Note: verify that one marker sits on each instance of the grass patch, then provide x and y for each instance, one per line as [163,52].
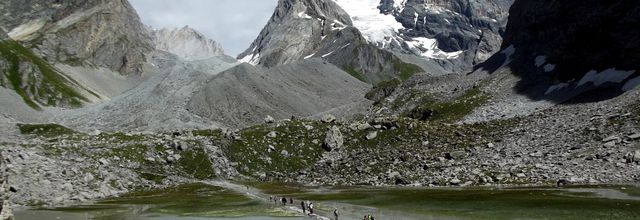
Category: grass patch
[356,74]
[45,130]
[254,153]
[383,90]
[53,89]
[406,70]
[450,111]
[196,163]
[156,178]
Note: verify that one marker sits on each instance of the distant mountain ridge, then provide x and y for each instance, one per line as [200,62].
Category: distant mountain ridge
[187,43]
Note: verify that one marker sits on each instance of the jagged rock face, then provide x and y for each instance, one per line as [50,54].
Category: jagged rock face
[295,28]
[187,43]
[575,45]
[462,31]
[302,29]
[104,33]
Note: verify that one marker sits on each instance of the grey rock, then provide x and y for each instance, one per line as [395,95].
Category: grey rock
[615,139]
[636,156]
[272,134]
[328,118]
[634,136]
[333,139]
[372,135]
[609,144]
[359,126]
[103,161]
[271,148]
[88,177]
[269,119]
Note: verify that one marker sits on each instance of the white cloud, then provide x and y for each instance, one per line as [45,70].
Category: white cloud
[233,23]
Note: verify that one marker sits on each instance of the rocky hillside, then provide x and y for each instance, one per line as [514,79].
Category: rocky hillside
[187,43]
[103,33]
[93,34]
[36,81]
[246,94]
[304,29]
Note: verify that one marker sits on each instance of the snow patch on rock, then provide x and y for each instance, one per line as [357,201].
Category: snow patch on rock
[540,60]
[376,27]
[549,67]
[631,84]
[556,87]
[428,47]
[609,75]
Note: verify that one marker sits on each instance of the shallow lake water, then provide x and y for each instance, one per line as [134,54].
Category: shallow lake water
[202,201]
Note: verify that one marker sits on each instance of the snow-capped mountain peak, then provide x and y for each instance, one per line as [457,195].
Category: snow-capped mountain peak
[384,30]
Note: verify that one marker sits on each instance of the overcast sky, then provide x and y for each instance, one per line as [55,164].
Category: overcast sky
[233,23]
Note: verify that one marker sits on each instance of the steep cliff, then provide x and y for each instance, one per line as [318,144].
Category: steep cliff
[103,33]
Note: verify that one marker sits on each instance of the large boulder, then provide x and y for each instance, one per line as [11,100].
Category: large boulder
[333,140]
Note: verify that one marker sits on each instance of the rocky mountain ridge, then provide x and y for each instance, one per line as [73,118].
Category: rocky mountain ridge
[187,43]
[305,29]
[104,33]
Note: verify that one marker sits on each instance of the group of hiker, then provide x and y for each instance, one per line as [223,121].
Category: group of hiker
[307,207]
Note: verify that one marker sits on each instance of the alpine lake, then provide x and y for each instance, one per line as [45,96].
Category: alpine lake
[251,201]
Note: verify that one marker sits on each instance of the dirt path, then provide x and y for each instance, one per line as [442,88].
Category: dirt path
[324,210]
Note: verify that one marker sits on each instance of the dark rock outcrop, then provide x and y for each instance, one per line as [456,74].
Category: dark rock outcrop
[562,49]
